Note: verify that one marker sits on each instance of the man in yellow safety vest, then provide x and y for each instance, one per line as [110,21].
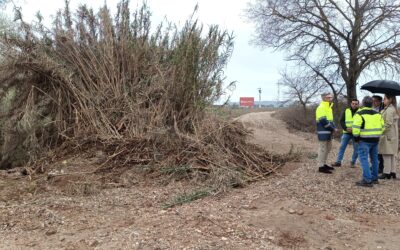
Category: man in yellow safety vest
[346,121]
[325,128]
[368,126]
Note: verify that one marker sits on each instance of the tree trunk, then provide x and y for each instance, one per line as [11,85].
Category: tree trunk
[351,91]
[304,110]
[335,108]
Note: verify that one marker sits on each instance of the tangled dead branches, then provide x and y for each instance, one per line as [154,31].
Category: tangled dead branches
[144,95]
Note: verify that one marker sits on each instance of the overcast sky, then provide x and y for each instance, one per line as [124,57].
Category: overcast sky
[250,67]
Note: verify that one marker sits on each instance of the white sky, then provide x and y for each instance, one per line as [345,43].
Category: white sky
[250,67]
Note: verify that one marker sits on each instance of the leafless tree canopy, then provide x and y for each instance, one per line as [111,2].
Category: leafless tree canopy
[332,37]
[301,89]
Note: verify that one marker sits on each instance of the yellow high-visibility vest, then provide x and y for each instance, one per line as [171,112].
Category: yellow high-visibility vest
[367,124]
[324,110]
[348,119]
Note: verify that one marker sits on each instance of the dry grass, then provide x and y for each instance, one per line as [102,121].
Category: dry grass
[304,122]
[297,119]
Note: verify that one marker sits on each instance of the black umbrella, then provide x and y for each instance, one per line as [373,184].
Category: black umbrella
[382,86]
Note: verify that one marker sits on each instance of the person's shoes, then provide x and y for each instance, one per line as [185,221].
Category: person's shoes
[380,171]
[328,167]
[324,170]
[393,175]
[337,164]
[375,181]
[384,176]
[363,183]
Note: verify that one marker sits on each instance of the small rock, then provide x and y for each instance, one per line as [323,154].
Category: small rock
[291,211]
[51,232]
[224,238]
[95,243]
[271,237]
[300,212]
[379,247]
[329,217]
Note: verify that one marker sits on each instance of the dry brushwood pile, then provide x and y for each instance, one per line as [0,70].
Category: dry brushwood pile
[142,96]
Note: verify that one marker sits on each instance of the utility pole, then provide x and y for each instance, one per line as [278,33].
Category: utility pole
[259,97]
[279,88]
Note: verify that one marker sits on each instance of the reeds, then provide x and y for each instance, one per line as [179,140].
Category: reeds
[142,94]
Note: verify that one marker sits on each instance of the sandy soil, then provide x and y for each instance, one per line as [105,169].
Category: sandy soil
[297,208]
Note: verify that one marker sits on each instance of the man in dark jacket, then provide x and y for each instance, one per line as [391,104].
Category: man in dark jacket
[377,105]
[346,121]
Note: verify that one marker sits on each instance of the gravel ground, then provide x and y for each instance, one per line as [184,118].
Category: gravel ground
[298,208]
[338,192]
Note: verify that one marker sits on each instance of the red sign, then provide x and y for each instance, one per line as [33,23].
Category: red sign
[246,101]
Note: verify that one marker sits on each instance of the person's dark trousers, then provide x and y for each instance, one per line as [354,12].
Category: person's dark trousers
[380,158]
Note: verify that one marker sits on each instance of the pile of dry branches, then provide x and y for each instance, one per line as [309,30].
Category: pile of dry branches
[143,94]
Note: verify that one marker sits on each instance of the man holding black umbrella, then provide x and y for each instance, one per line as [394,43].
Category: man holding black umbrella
[377,105]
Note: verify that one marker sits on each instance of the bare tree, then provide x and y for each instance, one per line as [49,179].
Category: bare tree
[333,38]
[302,89]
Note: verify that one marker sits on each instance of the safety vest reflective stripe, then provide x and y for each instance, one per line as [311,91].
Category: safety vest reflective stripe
[324,117]
[371,130]
[370,136]
[324,132]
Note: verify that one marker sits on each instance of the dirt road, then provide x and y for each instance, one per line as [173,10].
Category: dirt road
[295,209]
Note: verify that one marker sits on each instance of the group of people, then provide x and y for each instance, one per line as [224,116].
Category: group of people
[373,130]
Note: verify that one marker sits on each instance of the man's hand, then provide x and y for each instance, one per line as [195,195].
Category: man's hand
[336,130]
[349,130]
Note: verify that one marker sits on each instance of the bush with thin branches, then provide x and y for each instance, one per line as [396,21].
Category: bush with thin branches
[93,78]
